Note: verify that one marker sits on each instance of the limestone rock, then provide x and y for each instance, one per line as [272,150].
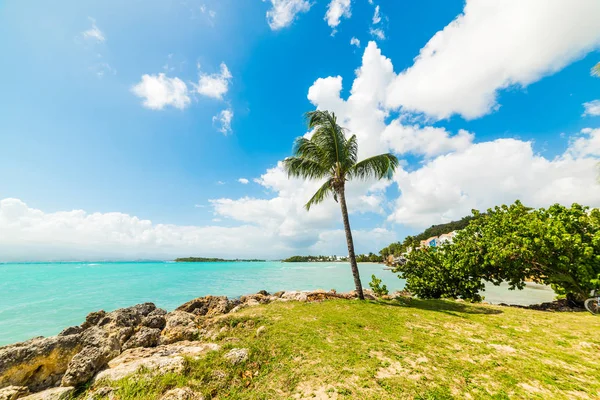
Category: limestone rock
[38,363]
[13,392]
[156,319]
[100,348]
[180,325]
[294,295]
[57,393]
[145,337]
[181,394]
[236,356]
[101,393]
[208,306]
[161,359]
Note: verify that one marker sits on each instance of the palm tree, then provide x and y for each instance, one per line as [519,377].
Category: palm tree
[329,154]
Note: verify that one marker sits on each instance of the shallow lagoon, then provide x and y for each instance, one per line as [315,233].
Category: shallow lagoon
[43,298]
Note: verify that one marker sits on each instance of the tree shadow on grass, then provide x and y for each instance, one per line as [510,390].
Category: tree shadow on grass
[444,306]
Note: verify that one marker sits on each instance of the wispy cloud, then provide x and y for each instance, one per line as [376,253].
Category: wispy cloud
[223,121]
[243,181]
[283,12]
[94,33]
[355,42]
[592,108]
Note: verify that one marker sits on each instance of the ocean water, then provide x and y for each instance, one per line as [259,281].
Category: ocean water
[40,299]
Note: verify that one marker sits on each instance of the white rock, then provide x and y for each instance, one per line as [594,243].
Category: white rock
[236,356]
[57,393]
[162,359]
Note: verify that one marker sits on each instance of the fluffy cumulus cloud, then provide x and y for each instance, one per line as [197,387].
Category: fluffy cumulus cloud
[355,42]
[336,10]
[428,141]
[223,121]
[215,85]
[160,91]
[243,181]
[591,108]
[491,46]
[283,12]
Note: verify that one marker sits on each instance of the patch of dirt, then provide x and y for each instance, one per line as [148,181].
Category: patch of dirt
[503,348]
[309,391]
[534,387]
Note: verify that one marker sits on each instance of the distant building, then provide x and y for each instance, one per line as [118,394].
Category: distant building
[446,237]
[436,241]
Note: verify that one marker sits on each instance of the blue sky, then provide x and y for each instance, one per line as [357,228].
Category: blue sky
[78,135]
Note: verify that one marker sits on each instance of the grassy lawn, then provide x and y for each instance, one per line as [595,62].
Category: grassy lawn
[393,350]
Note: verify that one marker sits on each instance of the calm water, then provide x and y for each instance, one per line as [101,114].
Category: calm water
[42,299]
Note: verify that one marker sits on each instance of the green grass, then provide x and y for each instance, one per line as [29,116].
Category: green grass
[410,349]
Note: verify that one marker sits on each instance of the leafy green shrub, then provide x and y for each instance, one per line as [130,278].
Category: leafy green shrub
[376,286]
[558,246]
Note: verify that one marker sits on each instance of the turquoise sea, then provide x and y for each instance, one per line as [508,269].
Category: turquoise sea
[40,299]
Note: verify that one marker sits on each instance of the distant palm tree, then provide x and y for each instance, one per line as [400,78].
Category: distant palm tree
[329,154]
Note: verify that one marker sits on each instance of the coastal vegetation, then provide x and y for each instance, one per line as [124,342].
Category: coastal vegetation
[208,259]
[330,155]
[371,257]
[558,246]
[315,259]
[400,349]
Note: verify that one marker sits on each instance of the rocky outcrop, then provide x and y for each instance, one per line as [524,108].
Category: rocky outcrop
[209,306]
[111,345]
[38,363]
[161,359]
[180,325]
[75,355]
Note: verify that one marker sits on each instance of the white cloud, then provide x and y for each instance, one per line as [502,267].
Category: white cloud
[283,12]
[243,181]
[592,108]
[491,46]
[220,183]
[378,33]
[215,85]
[159,91]
[428,141]
[492,173]
[587,143]
[223,120]
[355,42]
[94,33]
[205,10]
[29,234]
[336,10]
[376,16]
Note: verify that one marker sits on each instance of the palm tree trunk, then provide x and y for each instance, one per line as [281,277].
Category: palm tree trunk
[351,255]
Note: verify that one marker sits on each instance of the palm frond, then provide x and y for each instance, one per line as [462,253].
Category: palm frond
[300,167]
[350,152]
[596,70]
[305,148]
[328,135]
[379,167]
[324,191]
